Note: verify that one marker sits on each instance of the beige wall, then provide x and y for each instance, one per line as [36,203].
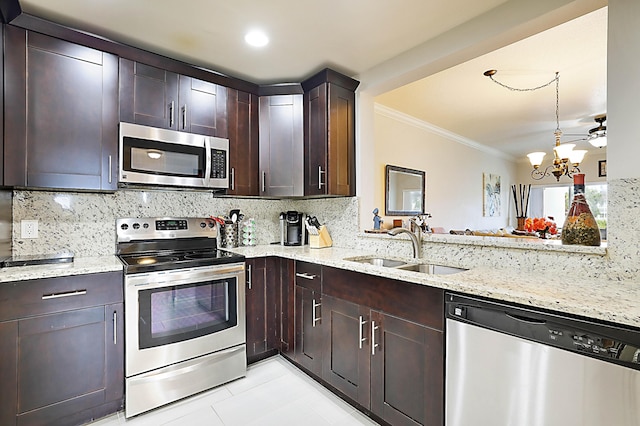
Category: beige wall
[510,22]
[454,174]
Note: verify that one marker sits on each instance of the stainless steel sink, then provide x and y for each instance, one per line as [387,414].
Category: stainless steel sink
[426,268]
[378,261]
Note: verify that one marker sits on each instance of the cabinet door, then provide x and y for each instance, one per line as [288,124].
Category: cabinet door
[309,329]
[315,140]
[202,107]
[345,361]
[8,372]
[256,307]
[69,365]
[281,145]
[329,140]
[148,95]
[341,148]
[62,123]
[406,372]
[244,160]
[263,308]
[287,307]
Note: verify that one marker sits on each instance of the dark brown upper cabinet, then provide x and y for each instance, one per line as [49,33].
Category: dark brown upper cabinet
[244,144]
[281,145]
[159,98]
[329,134]
[61,127]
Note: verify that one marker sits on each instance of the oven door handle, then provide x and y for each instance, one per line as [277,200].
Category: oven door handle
[179,276]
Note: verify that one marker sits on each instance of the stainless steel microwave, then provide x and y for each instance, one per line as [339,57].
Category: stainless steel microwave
[153,156]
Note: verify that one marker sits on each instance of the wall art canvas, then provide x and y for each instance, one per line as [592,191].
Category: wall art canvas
[491,201]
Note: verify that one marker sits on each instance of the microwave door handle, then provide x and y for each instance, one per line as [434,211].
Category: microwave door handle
[207,159]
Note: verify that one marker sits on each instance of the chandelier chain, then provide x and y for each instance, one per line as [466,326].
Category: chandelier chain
[525,89]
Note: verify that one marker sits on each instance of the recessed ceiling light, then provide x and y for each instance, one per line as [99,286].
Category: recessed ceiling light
[256,38]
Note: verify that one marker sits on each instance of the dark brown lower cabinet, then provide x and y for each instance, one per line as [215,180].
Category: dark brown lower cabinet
[66,367]
[262,305]
[406,371]
[346,358]
[383,346]
[308,316]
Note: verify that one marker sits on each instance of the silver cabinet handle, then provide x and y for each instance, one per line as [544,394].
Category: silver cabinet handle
[115,328]
[249,276]
[184,116]
[305,275]
[64,294]
[361,338]
[171,107]
[110,171]
[264,178]
[320,173]
[315,319]
[374,345]
[233,178]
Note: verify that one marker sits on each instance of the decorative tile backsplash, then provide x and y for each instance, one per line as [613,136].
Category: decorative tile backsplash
[85,224]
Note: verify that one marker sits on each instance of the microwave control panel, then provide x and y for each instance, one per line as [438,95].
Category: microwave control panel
[218,163]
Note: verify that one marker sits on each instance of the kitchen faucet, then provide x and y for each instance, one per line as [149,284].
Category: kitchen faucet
[416,239]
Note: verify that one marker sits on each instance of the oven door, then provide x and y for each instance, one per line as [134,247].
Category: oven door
[172,316]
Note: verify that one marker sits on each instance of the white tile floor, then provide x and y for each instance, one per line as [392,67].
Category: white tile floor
[274,392]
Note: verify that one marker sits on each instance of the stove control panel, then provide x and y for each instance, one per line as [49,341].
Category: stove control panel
[171,224]
[158,228]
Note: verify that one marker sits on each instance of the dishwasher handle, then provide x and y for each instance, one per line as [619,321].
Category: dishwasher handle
[523,318]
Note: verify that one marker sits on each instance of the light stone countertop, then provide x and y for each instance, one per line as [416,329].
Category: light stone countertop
[79,266]
[613,301]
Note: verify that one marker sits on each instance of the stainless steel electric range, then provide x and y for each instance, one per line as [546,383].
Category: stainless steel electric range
[184,310]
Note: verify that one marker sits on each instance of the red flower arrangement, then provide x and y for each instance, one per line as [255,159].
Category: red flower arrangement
[541,225]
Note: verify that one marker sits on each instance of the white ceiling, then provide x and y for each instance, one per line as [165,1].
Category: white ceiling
[353,37]
[465,102]
[305,36]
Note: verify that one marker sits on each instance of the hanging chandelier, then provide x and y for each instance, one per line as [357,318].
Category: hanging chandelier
[565,159]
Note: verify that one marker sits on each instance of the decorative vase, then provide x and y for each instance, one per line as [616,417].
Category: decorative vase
[542,234]
[521,223]
[580,227]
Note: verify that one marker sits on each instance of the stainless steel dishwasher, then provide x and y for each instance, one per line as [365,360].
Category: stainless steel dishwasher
[508,366]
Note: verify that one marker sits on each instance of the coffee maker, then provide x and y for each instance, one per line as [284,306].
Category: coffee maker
[292,229]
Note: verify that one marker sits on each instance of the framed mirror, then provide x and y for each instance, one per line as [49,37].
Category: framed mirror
[404,191]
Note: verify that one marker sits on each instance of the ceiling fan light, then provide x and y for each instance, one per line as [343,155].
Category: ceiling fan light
[576,156]
[598,141]
[563,150]
[536,158]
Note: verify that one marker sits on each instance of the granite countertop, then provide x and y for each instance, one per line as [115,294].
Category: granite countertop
[79,266]
[613,301]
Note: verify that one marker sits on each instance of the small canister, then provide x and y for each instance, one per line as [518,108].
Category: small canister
[249,232]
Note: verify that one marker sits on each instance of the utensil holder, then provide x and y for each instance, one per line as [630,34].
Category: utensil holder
[229,235]
[322,240]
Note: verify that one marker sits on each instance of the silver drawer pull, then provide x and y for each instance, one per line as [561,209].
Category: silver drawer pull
[361,337]
[314,319]
[65,294]
[374,345]
[305,275]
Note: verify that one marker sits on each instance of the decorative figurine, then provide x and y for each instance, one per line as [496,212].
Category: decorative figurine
[377,220]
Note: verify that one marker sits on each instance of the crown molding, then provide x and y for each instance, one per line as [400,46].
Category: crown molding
[454,137]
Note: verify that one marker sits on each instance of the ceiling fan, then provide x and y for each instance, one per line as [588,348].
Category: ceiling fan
[598,135]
